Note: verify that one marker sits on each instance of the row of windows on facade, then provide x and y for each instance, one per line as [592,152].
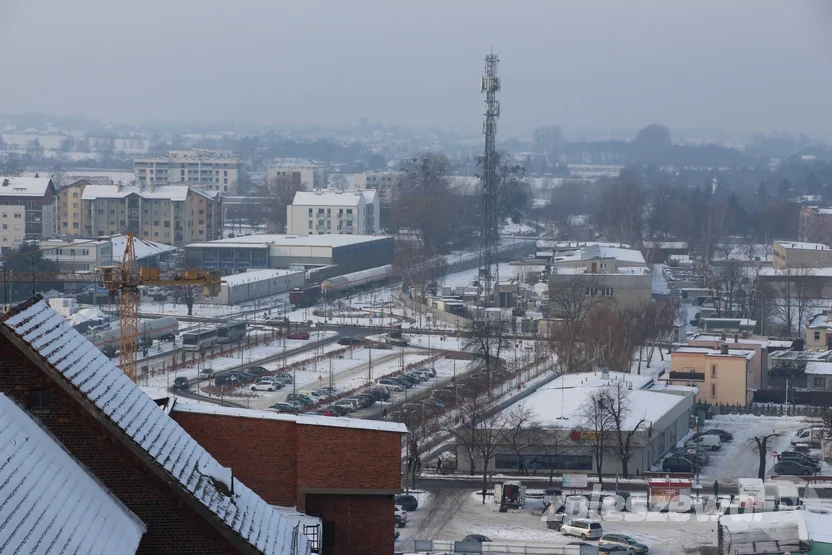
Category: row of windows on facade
[341,225]
[600,292]
[329,212]
[543,462]
[30,204]
[190,180]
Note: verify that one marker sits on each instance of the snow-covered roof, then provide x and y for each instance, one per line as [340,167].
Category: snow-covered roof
[802,245]
[599,251]
[48,501]
[620,271]
[769,532]
[825,271]
[304,419]
[649,404]
[162,192]
[257,275]
[143,247]
[369,196]
[289,241]
[327,198]
[24,186]
[819,368]
[741,353]
[801,356]
[189,468]
[820,321]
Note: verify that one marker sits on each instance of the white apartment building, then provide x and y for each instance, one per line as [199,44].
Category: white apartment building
[304,173]
[333,212]
[78,255]
[27,210]
[382,182]
[210,170]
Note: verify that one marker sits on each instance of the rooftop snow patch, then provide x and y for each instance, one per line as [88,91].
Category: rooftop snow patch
[143,248]
[24,186]
[48,501]
[257,275]
[309,420]
[107,391]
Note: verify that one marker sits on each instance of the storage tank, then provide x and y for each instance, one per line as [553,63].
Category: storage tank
[357,279]
[108,340]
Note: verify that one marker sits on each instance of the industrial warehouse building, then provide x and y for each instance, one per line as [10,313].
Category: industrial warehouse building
[350,253]
[666,412]
[256,284]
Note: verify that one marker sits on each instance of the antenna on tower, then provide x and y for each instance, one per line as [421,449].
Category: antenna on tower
[489,277]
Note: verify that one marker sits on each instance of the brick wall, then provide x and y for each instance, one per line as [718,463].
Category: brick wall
[260,452]
[172,526]
[364,525]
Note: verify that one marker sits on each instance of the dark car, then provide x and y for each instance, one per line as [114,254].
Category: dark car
[802,459]
[385,394]
[409,379]
[289,408]
[407,502]
[180,383]
[678,464]
[256,370]
[368,398]
[799,456]
[374,393]
[723,435]
[625,543]
[301,399]
[339,411]
[792,467]
[349,341]
[479,538]
[303,335]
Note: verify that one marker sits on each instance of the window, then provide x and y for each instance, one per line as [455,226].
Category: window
[74,225]
[713,370]
[201,212]
[225,181]
[603,265]
[713,390]
[819,383]
[817,336]
[310,224]
[39,399]
[66,224]
[75,205]
[74,195]
[310,213]
[100,212]
[166,222]
[156,222]
[544,462]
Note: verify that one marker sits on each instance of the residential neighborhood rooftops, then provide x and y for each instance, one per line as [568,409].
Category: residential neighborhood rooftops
[49,501]
[820,321]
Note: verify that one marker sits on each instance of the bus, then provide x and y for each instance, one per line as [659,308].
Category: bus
[232,331]
[199,340]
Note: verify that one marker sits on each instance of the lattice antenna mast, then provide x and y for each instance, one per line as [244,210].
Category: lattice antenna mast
[489,276]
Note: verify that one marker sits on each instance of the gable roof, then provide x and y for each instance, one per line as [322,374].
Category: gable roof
[48,501]
[25,186]
[135,419]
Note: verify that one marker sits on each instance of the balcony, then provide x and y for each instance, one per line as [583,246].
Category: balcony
[687,376]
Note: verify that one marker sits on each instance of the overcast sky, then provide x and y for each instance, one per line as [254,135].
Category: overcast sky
[755,65]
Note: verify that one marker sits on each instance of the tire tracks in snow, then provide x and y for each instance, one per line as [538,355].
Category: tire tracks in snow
[444,504]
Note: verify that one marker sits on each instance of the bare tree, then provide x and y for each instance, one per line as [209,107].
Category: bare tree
[624,429]
[759,444]
[489,440]
[522,433]
[486,340]
[339,181]
[595,426]
[279,193]
[571,301]
[549,441]
[730,276]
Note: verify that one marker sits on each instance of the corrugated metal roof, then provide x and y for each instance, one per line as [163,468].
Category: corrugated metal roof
[48,501]
[103,384]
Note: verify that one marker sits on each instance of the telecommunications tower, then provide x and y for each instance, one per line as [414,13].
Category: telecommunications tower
[489,270]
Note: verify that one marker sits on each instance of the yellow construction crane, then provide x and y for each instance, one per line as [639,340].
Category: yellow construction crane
[124,280]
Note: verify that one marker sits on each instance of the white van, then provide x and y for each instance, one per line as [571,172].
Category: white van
[712,443]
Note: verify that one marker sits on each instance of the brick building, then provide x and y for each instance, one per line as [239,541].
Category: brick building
[184,498]
[344,470]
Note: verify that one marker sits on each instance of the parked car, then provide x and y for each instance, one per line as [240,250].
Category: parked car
[679,464]
[478,538]
[418,376]
[723,435]
[626,542]
[374,393]
[802,448]
[339,410]
[362,401]
[220,381]
[584,529]
[265,385]
[181,382]
[349,341]
[401,517]
[385,393]
[798,455]
[256,370]
[802,459]
[317,396]
[302,335]
[301,399]
[368,399]
[412,380]
[289,408]
[792,467]
[430,371]
[330,391]
[712,443]
[325,412]
[206,372]
[285,376]
[348,404]
[390,385]
[696,454]
[407,502]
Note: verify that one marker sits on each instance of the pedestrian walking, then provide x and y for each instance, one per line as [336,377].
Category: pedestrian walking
[439,466]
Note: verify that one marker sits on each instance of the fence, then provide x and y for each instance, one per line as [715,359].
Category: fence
[460,547]
[796,397]
[765,409]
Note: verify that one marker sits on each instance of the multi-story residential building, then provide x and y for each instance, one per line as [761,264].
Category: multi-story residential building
[210,170]
[206,208]
[792,254]
[73,255]
[819,332]
[304,173]
[384,183]
[815,224]
[27,210]
[615,274]
[333,212]
[70,216]
[723,375]
[162,214]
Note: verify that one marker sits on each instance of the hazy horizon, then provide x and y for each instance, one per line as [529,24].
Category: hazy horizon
[740,67]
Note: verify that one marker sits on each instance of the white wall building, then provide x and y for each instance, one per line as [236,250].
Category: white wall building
[310,176]
[211,170]
[333,212]
[83,255]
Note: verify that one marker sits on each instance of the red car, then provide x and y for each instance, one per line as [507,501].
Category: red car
[325,412]
[298,335]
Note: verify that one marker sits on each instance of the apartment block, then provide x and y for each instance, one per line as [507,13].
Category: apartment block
[163,214]
[723,375]
[384,183]
[73,255]
[310,177]
[70,215]
[206,208]
[333,212]
[27,210]
[209,170]
[793,254]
